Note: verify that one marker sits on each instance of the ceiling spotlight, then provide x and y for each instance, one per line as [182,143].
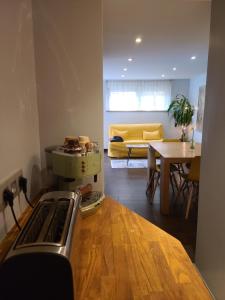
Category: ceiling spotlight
[125,69]
[193,57]
[130,59]
[138,40]
[163,75]
[122,76]
[174,68]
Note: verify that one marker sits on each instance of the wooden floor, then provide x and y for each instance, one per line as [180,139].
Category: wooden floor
[128,186]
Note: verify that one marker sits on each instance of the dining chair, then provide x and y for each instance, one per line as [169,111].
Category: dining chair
[154,175]
[191,182]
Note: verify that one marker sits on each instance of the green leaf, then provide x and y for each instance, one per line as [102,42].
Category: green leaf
[181,110]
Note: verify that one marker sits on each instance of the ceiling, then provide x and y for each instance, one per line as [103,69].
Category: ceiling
[172,31]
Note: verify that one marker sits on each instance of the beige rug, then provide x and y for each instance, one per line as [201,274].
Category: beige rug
[133,163]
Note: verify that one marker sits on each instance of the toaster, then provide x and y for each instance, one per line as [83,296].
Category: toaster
[37,265]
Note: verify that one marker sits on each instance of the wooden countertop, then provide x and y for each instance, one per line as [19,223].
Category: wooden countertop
[118,255]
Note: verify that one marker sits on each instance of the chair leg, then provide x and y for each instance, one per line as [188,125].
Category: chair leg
[182,184]
[184,188]
[175,181]
[196,186]
[180,170]
[151,180]
[189,201]
[155,186]
[171,182]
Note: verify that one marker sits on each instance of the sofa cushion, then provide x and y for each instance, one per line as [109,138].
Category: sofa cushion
[122,133]
[151,135]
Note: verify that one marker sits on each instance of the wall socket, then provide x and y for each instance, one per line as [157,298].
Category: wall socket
[12,183]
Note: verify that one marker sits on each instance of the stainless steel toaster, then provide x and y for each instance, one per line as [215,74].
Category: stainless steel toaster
[37,265]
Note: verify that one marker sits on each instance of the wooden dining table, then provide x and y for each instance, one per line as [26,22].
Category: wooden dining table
[171,152]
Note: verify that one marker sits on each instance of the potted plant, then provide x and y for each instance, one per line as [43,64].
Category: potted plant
[182,111]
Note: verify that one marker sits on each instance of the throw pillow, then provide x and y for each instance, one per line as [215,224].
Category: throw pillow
[151,135]
[122,133]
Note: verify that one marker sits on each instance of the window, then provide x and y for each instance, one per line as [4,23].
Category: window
[123,101]
[138,95]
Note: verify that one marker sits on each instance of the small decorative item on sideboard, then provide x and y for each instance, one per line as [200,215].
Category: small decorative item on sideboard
[192,139]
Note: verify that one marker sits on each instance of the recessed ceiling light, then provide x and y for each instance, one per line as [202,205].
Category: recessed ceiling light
[193,57]
[122,76]
[130,59]
[138,40]
[174,68]
[163,75]
[125,69]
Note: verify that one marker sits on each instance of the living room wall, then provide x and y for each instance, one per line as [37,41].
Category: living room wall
[195,83]
[179,86]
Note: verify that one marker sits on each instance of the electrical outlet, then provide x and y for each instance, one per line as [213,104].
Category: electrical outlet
[15,188]
[12,183]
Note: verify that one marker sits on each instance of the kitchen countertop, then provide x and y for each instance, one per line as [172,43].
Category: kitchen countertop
[116,254]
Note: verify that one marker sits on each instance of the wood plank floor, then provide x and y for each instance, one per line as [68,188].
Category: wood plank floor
[128,187]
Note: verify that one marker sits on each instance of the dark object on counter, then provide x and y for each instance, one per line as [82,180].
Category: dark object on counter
[37,267]
[116,139]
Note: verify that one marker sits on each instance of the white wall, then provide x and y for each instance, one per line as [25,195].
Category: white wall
[195,83]
[180,86]
[68,53]
[19,133]
[210,249]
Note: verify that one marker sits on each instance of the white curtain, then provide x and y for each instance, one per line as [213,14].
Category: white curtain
[138,95]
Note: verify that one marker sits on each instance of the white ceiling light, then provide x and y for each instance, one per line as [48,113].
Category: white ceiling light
[125,69]
[138,40]
[122,76]
[130,59]
[193,57]
[163,75]
[174,68]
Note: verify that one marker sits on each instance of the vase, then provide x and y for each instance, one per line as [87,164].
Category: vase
[184,135]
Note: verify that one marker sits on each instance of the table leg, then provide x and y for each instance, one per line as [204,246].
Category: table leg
[129,153]
[164,186]
[150,173]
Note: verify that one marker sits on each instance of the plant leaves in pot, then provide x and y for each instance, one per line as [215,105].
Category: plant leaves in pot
[182,112]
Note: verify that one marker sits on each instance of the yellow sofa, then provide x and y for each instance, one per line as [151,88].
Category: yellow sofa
[133,134]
